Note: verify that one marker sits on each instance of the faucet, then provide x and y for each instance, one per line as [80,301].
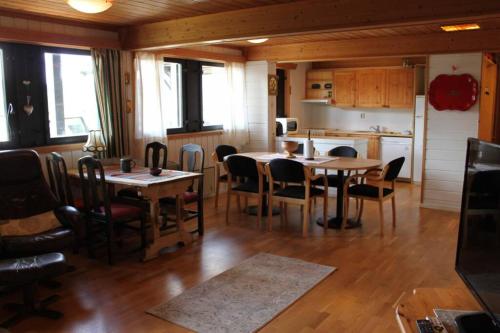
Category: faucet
[375,128]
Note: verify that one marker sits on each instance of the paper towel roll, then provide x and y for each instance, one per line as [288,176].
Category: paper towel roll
[308,149]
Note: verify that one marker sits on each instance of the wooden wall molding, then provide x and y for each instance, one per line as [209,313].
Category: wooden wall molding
[200,55]
[304,17]
[56,39]
[413,45]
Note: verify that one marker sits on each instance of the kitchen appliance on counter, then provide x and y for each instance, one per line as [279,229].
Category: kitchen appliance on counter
[289,125]
[395,147]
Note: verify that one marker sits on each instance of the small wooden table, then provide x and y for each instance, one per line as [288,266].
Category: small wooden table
[340,164]
[423,301]
[171,183]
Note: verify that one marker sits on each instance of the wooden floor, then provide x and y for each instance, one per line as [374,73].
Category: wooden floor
[373,272]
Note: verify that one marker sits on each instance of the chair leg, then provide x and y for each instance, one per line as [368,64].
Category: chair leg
[346,211]
[360,212]
[381,211]
[285,211]
[259,211]
[144,241]
[228,204]
[217,185]
[325,211]
[393,212]
[305,223]
[282,213]
[238,203]
[270,213]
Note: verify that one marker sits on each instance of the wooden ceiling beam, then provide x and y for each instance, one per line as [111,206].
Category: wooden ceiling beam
[304,17]
[408,45]
[200,55]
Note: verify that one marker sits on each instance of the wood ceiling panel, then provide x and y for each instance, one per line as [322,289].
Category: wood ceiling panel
[129,12]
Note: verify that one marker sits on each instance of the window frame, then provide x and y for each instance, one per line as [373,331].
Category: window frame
[181,129]
[4,144]
[67,139]
[212,64]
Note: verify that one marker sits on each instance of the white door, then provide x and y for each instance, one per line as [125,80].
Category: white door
[418,138]
[394,147]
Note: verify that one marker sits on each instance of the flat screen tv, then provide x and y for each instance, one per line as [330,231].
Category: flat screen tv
[478,250]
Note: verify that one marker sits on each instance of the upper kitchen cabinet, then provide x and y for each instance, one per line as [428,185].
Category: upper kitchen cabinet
[371,88]
[344,88]
[400,92]
[319,84]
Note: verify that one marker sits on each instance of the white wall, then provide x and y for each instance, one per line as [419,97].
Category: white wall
[447,133]
[261,107]
[298,89]
[325,116]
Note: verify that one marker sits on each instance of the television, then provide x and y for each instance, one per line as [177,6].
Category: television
[478,249]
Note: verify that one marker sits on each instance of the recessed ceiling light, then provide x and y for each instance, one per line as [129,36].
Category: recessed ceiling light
[90,6]
[258,41]
[460,27]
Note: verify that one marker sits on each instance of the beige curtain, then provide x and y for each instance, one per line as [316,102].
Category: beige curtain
[149,119]
[236,123]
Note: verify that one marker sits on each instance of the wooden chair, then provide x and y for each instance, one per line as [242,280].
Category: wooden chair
[59,180]
[253,186]
[375,191]
[191,159]
[296,188]
[100,212]
[218,155]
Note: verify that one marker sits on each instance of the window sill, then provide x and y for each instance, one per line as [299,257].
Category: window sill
[194,134]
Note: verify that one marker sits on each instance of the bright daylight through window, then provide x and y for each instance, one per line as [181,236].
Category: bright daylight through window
[71,95]
[171,90]
[214,90]
[4,129]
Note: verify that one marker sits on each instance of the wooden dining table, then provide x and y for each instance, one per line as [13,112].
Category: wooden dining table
[170,183]
[340,164]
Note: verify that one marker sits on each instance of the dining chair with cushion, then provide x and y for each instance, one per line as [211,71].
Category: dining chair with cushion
[296,188]
[375,190]
[252,186]
[218,155]
[191,159]
[101,213]
[155,156]
[341,151]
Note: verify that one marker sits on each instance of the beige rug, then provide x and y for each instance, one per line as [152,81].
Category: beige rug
[244,298]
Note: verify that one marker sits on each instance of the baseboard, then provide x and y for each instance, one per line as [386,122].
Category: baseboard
[440,207]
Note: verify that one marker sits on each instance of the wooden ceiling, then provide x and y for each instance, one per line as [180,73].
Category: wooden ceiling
[130,12]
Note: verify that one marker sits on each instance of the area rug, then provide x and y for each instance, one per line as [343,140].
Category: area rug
[244,298]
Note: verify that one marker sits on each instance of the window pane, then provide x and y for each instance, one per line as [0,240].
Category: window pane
[4,129]
[71,95]
[171,91]
[214,83]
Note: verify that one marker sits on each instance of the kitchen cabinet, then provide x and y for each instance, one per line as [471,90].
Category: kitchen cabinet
[371,88]
[319,84]
[344,84]
[400,88]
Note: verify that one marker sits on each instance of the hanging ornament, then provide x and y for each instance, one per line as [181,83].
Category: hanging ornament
[28,107]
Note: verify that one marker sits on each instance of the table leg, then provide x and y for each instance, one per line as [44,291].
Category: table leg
[201,224]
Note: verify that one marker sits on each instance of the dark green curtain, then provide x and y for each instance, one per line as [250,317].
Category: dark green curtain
[110,102]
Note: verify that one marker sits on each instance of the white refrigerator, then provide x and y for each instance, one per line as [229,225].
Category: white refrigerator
[418,140]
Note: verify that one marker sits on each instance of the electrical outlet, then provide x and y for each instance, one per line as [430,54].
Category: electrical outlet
[362,115]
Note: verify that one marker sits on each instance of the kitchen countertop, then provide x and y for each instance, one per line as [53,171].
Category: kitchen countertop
[326,137]
[347,134]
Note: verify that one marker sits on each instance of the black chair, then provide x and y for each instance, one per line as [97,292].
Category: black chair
[300,191]
[154,151]
[191,159]
[341,151]
[58,178]
[253,185]
[375,191]
[221,151]
[100,211]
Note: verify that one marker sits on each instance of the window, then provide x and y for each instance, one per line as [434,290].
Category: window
[194,95]
[71,96]
[171,90]
[214,92]
[4,129]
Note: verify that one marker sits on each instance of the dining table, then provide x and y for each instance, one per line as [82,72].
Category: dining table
[340,164]
[169,183]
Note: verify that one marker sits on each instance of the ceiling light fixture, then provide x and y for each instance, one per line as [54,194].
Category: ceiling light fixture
[90,6]
[258,41]
[460,27]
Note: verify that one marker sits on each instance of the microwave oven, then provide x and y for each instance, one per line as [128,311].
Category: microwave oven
[289,125]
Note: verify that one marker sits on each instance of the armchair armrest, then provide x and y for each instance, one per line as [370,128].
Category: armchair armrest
[70,218]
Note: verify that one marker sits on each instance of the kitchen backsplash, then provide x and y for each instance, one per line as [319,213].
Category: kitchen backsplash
[325,116]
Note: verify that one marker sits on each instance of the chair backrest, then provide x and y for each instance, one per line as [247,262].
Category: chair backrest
[284,170]
[224,150]
[242,166]
[24,192]
[343,151]
[157,148]
[58,178]
[94,190]
[192,159]
[393,168]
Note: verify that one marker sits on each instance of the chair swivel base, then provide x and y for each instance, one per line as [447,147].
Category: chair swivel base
[31,308]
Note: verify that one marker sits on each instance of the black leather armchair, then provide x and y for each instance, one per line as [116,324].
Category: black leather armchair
[24,192]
